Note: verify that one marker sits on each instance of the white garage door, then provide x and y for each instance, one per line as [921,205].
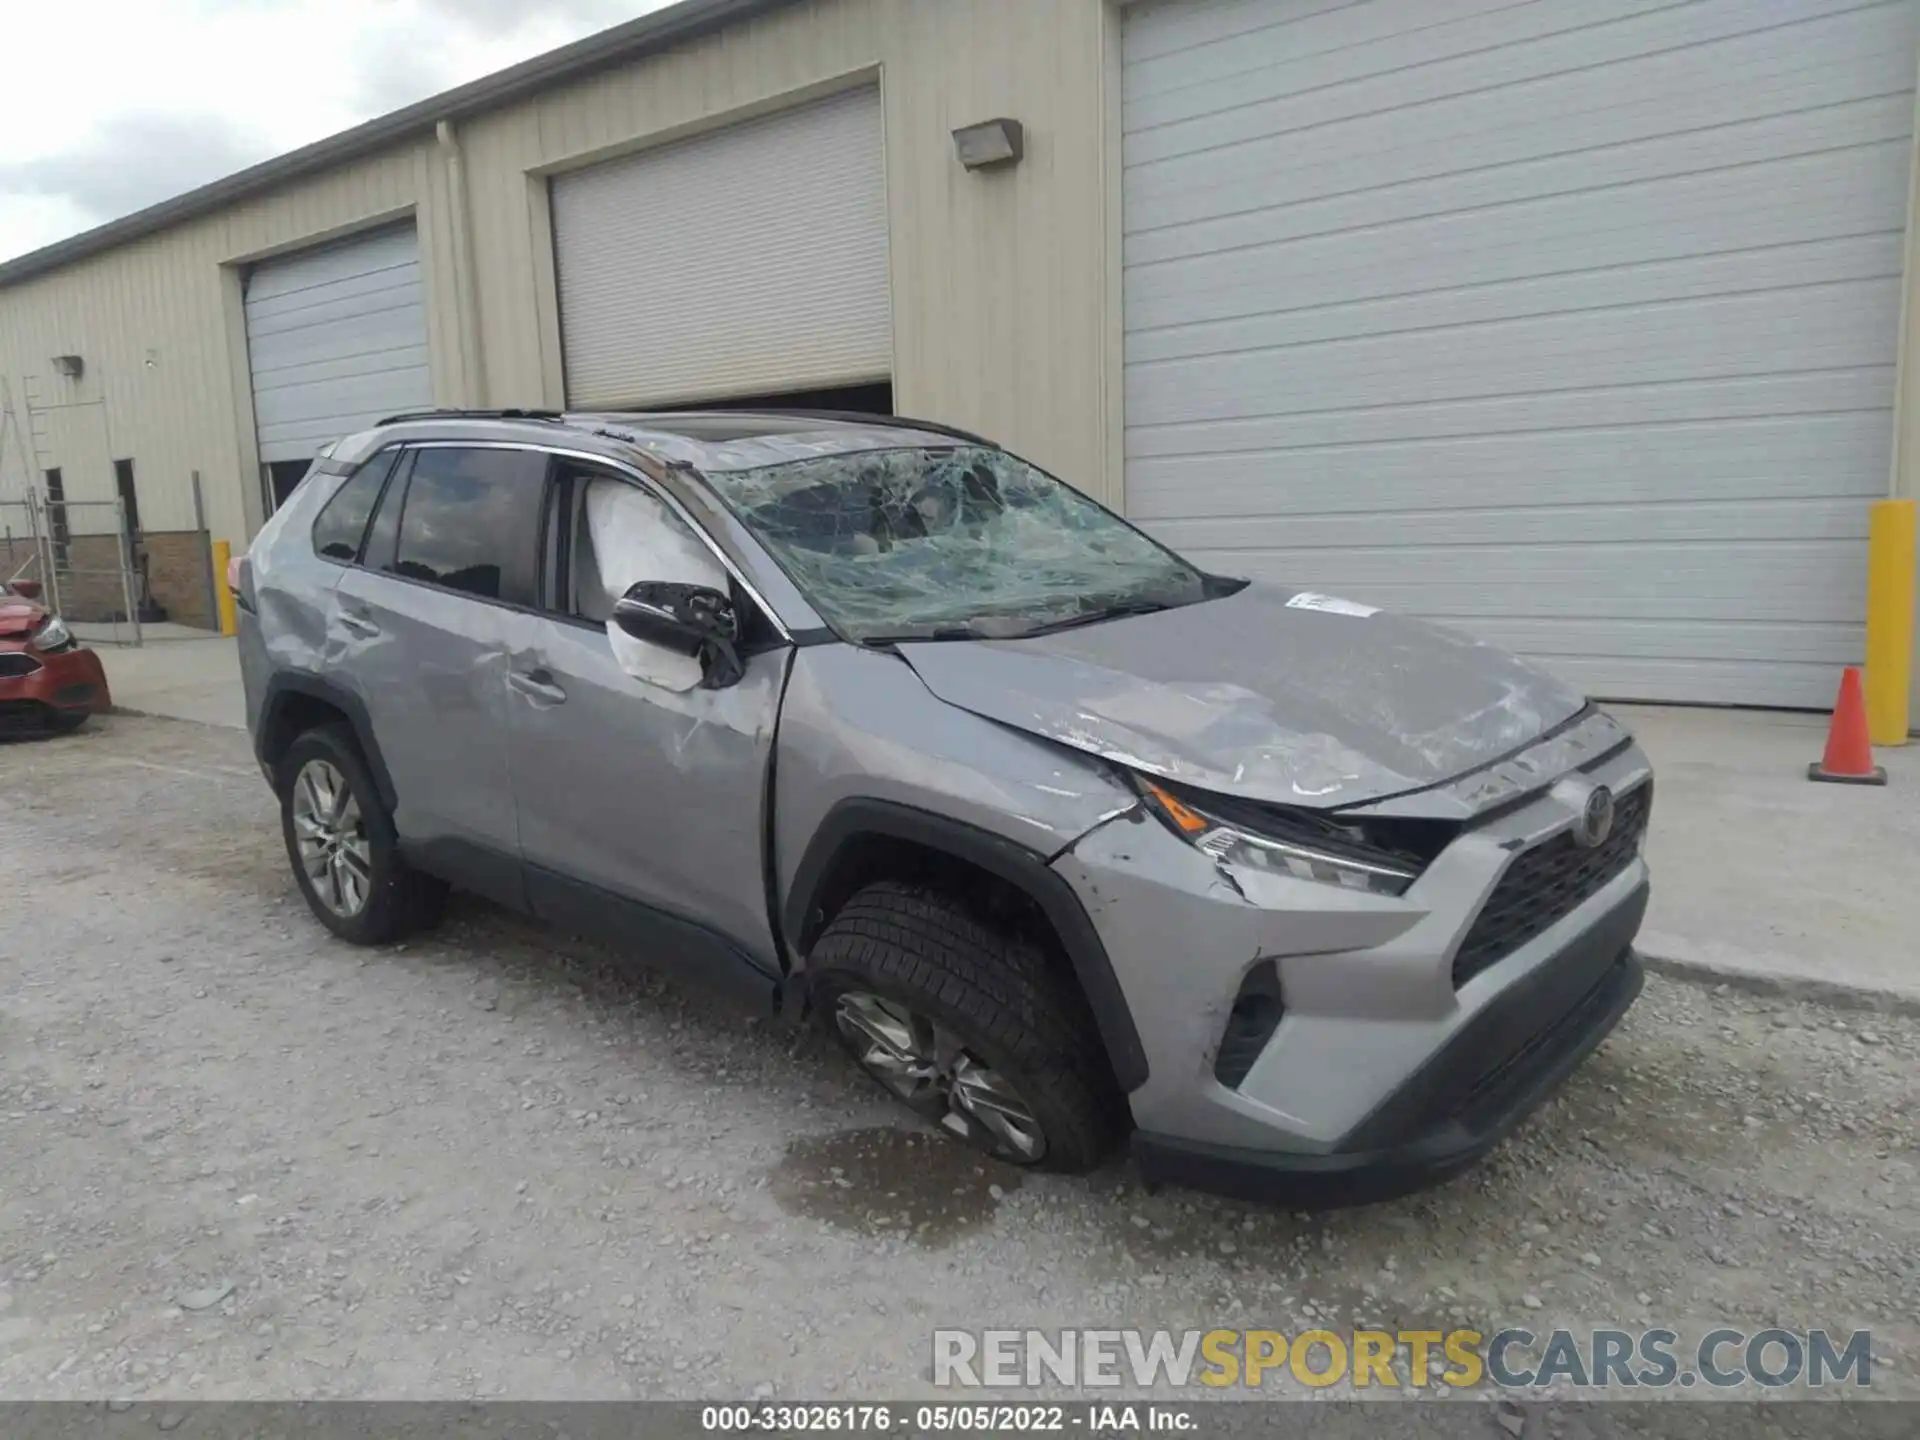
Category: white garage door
[1571,323]
[336,338]
[749,261]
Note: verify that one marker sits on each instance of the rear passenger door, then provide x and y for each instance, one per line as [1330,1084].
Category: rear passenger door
[423,629]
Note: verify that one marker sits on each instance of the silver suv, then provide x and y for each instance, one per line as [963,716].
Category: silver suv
[1061,835]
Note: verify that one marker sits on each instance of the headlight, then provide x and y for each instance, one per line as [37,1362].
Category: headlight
[53,635]
[1306,847]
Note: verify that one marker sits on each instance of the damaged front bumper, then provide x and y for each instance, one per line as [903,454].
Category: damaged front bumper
[1383,1067]
[42,687]
[1457,1105]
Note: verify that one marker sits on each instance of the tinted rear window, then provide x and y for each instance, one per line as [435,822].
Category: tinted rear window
[342,522]
[471,521]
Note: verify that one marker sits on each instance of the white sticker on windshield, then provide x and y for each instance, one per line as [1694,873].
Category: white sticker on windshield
[1331,604]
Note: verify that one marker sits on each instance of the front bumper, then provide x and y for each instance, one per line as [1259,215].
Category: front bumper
[1379,997]
[1457,1106]
[64,683]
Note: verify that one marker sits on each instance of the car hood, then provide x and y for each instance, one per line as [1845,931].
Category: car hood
[1266,694]
[20,617]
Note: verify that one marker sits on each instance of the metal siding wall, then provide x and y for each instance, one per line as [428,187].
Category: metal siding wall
[164,293]
[336,338]
[1571,323]
[745,261]
[999,281]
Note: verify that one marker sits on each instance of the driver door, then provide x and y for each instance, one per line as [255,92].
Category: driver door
[642,802]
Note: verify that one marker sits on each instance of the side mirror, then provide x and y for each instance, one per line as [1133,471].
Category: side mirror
[25,589]
[687,620]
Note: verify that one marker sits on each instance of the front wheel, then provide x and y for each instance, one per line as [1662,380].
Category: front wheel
[341,842]
[968,1026]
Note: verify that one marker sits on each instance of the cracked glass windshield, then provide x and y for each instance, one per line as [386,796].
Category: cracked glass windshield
[950,543]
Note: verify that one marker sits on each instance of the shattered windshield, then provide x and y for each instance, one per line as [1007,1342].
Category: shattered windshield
[950,542]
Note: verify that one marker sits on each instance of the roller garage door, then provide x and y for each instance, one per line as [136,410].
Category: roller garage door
[1570,322]
[336,338]
[749,261]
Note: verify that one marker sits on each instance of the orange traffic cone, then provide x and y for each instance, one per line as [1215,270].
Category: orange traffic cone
[1849,757]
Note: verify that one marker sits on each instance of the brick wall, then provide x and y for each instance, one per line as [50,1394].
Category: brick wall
[176,575]
[177,563]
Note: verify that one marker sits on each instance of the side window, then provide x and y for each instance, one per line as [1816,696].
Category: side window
[384,533]
[471,521]
[342,522]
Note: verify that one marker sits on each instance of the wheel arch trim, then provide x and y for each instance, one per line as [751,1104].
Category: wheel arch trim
[855,820]
[286,685]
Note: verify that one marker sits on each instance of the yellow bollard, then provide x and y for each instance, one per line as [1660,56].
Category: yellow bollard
[223,592]
[1890,581]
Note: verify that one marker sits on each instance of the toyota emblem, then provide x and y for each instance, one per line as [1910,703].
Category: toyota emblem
[1596,819]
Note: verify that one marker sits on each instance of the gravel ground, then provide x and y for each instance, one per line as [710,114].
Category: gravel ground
[241,1159]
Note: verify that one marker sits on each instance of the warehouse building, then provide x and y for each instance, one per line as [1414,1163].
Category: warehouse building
[1576,323]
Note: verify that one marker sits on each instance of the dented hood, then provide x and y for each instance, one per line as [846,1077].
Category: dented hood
[1267,694]
[20,616]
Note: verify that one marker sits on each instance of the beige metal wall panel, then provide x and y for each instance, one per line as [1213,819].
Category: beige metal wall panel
[1000,281]
[751,260]
[1571,324]
[150,321]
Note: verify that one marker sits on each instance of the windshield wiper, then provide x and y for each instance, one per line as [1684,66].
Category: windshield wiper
[932,632]
[1008,627]
[1094,616]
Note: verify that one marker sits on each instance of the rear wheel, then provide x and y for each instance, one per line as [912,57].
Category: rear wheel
[970,1027]
[340,840]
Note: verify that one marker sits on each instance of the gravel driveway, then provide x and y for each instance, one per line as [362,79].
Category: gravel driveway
[243,1159]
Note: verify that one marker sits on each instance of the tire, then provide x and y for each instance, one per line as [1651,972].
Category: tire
[995,996]
[65,722]
[396,899]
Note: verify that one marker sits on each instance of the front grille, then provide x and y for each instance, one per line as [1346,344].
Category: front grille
[16,663]
[1546,883]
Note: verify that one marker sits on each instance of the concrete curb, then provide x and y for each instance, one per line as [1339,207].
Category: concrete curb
[118,709]
[1835,993]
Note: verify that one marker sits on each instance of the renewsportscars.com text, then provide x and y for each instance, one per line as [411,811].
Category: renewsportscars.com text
[1509,1359]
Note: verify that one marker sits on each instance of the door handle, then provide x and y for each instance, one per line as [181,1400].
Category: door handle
[537,685]
[358,624]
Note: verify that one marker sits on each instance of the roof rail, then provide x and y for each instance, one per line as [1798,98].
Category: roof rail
[852,417]
[456,413]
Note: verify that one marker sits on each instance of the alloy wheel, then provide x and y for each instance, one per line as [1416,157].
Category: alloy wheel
[930,1068]
[332,838]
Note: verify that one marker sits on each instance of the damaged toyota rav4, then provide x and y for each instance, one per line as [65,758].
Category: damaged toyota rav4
[1063,837]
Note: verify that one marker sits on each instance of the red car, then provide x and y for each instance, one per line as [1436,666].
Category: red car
[49,681]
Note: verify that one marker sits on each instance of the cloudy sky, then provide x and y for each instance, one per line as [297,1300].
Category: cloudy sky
[109,105]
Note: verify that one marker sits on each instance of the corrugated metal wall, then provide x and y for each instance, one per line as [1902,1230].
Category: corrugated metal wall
[1572,324]
[746,261]
[336,338]
[1001,313]
[164,349]
[1005,289]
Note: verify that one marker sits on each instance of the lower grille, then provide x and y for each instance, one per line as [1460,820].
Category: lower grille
[16,663]
[1256,1014]
[22,717]
[1548,882]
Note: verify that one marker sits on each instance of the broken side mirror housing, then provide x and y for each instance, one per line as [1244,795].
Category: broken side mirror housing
[693,620]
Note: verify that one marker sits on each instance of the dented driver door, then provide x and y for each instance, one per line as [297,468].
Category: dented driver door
[641,806]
